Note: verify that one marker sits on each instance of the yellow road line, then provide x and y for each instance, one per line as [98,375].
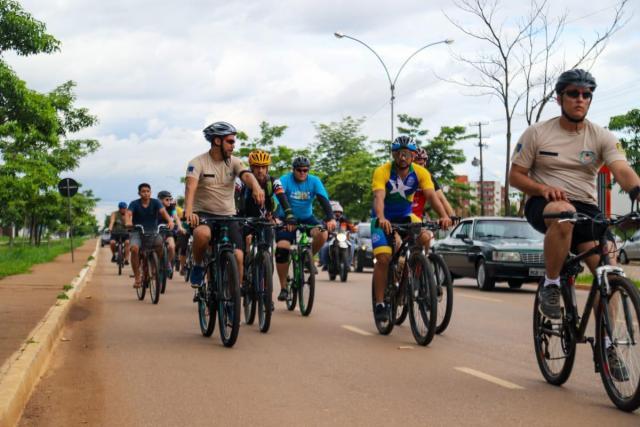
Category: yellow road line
[479,298]
[490,378]
[357,330]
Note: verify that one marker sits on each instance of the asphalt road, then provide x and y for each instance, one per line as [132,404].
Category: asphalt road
[129,363]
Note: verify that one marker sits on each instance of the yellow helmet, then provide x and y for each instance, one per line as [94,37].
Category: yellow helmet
[259,158]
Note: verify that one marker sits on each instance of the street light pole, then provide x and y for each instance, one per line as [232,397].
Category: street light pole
[392,83]
[481,145]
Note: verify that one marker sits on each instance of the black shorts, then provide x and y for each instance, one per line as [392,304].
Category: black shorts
[235,230]
[582,232]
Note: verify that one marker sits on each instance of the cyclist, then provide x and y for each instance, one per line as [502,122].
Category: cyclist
[182,240]
[210,192]
[343,223]
[555,163]
[421,158]
[145,212]
[170,206]
[394,186]
[117,229]
[301,189]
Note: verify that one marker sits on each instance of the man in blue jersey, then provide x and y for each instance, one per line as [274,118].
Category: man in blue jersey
[301,190]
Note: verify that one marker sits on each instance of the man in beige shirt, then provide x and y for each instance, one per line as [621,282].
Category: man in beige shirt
[210,192]
[556,163]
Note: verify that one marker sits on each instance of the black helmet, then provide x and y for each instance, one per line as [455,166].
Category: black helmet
[301,161]
[218,129]
[577,77]
[404,141]
[163,194]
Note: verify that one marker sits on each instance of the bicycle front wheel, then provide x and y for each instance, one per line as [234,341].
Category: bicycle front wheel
[554,342]
[307,289]
[444,291]
[228,299]
[618,347]
[292,289]
[264,286]
[144,272]
[423,303]
[384,328]
[155,277]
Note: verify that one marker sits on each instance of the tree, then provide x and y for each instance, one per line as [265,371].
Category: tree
[629,125]
[351,186]
[443,155]
[335,142]
[518,66]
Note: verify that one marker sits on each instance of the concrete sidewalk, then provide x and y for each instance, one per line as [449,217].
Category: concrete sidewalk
[26,298]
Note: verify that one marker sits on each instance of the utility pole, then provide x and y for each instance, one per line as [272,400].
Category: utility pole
[481,146]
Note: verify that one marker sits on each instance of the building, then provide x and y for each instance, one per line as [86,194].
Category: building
[491,196]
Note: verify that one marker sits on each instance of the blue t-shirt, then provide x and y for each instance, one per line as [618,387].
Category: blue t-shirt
[146,217]
[301,194]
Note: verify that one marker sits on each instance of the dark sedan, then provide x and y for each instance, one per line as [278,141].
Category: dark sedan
[363,256]
[494,249]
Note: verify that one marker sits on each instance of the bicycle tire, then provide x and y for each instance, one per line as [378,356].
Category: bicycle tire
[307,290]
[384,328]
[155,281]
[120,259]
[624,394]
[228,299]
[543,330]
[164,261]
[264,286]
[249,302]
[292,290]
[142,290]
[444,291]
[402,311]
[422,301]
[206,307]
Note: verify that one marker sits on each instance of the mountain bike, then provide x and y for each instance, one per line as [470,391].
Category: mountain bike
[258,274]
[149,265]
[166,271]
[301,278]
[120,239]
[220,291]
[410,286]
[616,304]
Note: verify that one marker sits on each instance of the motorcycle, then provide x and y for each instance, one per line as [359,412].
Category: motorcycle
[339,251]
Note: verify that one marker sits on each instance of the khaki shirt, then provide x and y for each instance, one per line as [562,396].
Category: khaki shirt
[567,159]
[215,190]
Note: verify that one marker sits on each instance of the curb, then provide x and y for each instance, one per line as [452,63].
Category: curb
[23,369]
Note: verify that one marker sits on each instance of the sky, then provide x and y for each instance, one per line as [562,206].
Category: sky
[155,73]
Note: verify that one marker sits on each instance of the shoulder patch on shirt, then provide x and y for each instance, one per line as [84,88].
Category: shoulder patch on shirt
[190,168]
[518,147]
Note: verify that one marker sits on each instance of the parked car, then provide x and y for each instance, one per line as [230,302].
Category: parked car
[105,237]
[494,249]
[630,249]
[363,256]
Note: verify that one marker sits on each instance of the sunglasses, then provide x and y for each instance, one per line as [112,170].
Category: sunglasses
[302,170]
[405,155]
[574,94]
[231,141]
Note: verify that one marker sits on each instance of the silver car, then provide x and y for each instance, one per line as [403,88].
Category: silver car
[630,249]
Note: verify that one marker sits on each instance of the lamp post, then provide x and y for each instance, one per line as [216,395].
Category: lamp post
[392,83]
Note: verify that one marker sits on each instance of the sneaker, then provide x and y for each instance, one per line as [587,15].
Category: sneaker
[617,367]
[282,296]
[325,268]
[197,276]
[113,258]
[550,301]
[380,313]
[126,262]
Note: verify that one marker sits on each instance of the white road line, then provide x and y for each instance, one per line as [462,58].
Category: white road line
[490,378]
[357,330]
[479,298]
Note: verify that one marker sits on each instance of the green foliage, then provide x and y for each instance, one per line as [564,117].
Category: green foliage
[21,258]
[442,154]
[21,33]
[351,186]
[629,125]
[335,142]
[412,128]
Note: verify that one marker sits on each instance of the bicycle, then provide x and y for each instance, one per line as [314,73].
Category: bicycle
[220,291]
[120,239]
[410,285]
[301,278]
[166,269]
[614,299]
[444,286]
[149,266]
[258,274]
[188,265]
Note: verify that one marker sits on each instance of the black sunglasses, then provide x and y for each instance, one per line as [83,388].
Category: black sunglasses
[302,170]
[576,93]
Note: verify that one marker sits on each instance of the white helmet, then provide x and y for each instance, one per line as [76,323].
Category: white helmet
[336,206]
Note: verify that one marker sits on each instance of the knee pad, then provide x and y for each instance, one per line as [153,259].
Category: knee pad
[282,255]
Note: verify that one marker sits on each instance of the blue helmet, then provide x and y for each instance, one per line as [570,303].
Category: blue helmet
[404,141]
[122,205]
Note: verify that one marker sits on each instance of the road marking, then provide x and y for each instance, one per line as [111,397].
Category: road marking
[357,330]
[479,298]
[490,378]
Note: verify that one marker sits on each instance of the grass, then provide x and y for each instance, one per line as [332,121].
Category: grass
[62,295]
[21,258]
[67,287]
[587,279]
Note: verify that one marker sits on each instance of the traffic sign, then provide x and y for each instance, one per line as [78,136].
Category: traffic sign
[68,187]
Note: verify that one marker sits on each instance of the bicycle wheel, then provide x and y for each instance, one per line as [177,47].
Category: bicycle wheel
[162,271]
[144,272]
[120,259]
[264,285]
[444,291]
[307,289]
[554,342]
[155,280]
[228,299]
[402,310]
[423,302]
[618,322]
[187,265]
[249,302]
[206,308]
[292,289]
[384,328]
